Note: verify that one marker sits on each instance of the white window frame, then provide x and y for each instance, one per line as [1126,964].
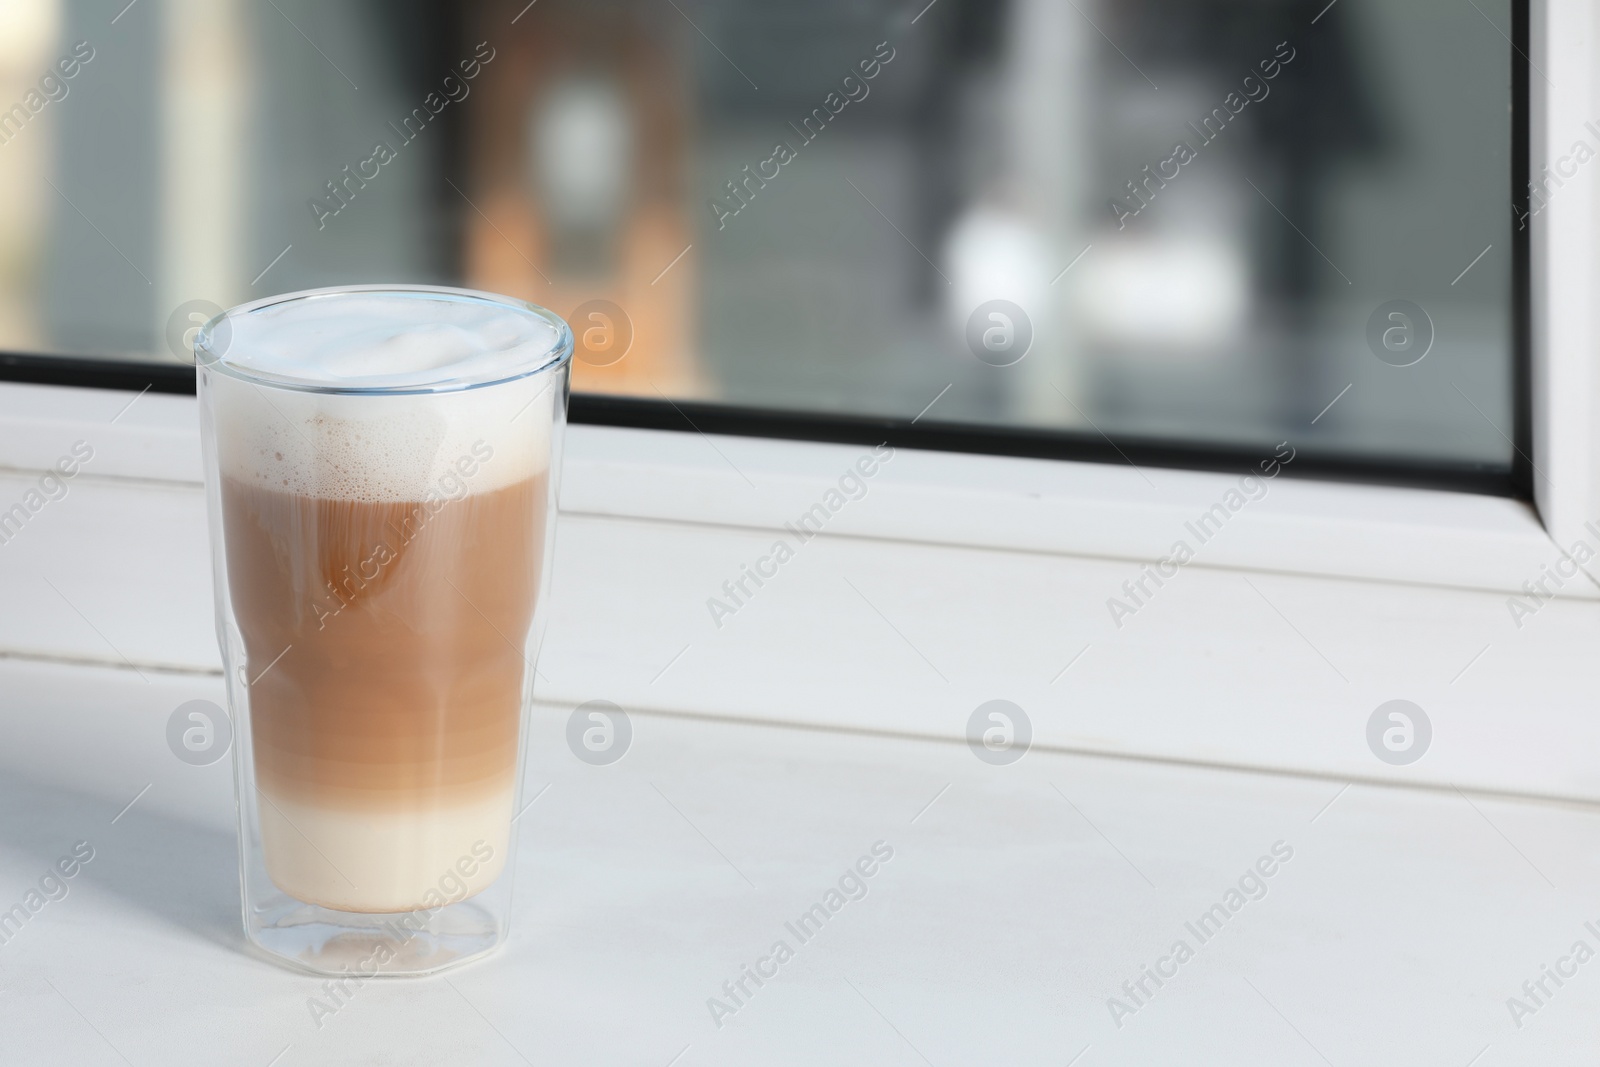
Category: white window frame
[1563,268]
[1000,567]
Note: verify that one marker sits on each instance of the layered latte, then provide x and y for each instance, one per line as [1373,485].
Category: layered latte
[383,556]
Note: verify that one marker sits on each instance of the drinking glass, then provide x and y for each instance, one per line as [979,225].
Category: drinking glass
[381,473]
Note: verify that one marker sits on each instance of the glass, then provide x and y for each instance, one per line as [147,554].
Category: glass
[836,240]
[381,467]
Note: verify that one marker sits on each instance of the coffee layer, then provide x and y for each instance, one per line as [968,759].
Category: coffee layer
[384,642]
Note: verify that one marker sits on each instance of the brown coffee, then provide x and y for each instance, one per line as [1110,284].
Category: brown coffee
[385,649]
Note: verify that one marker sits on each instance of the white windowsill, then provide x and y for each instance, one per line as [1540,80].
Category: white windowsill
[643,886]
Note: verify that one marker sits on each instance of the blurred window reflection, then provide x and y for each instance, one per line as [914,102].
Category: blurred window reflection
[1173,220]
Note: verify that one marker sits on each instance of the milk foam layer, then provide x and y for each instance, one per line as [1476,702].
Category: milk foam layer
[378,443]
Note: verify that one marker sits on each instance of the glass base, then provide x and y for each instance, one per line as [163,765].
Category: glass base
[361,946]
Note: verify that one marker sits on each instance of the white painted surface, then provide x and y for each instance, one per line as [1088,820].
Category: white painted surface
[1277,671]
[1564,265]
[149,436]
[1285,525]
[1015,905]
[1280,524]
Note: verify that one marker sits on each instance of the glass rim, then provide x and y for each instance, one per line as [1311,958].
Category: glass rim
[208,358]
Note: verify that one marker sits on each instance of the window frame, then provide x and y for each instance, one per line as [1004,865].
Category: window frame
[1563,274]
[978,558]
[1092,446]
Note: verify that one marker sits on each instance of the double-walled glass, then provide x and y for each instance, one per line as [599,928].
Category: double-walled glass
[381,480]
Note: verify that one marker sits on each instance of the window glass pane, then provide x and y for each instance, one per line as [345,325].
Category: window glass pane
[1201,221]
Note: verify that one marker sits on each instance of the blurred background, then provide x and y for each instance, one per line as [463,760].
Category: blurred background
[801,204]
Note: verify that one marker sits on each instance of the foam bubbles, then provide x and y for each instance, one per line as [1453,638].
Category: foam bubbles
[401,339]
[382,439]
